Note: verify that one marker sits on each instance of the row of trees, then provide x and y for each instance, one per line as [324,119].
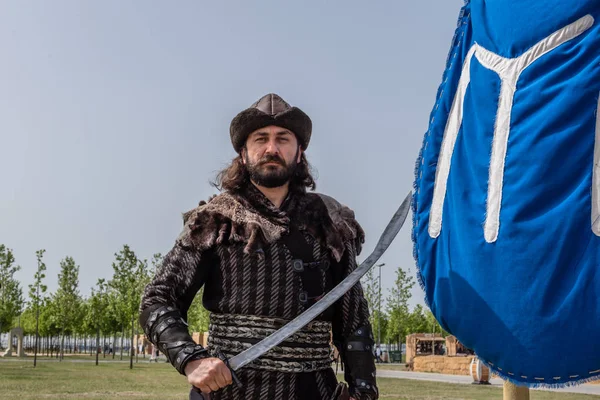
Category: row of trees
[110,310]
[112,307]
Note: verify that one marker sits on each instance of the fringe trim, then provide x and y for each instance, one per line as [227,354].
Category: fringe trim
[512,378]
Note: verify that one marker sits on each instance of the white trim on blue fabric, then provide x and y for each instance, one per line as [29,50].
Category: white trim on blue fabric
[509,71]
[444,159]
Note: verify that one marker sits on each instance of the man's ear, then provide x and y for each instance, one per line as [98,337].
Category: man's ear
[299,155]
[243,155]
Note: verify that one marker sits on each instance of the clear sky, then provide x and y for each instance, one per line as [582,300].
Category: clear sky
[114,115]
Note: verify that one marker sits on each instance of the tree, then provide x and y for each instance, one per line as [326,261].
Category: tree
[142,278]
[401,291]
[129,279]
[384,320]
[77,328]
[417,321]
[103,306]
[370,286]
[399,326]
[88,325]
[434,325]
[374,296]
[11,293]
[36,295]
[397,306]
[67,298]
[49,320]
[27,319]
[157,260]
[121,284]
[96,317]
[197,315]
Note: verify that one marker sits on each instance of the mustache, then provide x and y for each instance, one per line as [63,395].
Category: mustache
[271,158]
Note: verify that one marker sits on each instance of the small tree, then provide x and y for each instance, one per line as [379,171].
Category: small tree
[197,315]
[49,321]
[129,279]
[434,325]
[384,320]
[67,298]
[142,278]
[11,293]
[397,306]
[417,321]
[37,295]
[96,316]
[27,320]
[157,260]
[370,286]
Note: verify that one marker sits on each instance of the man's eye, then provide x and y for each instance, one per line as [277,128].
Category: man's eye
[261,139]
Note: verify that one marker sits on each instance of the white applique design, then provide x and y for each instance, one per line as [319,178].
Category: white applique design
[509,71]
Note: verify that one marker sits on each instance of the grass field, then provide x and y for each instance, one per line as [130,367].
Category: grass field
[77,379]
[392,367]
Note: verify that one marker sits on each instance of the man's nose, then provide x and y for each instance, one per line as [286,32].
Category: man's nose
[272,147]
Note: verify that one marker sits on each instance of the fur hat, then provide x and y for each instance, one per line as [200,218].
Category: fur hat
[270,110]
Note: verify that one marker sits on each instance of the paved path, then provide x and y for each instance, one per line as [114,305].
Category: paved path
[464,379]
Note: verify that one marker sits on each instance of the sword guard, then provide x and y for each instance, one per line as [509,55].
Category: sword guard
[223,358]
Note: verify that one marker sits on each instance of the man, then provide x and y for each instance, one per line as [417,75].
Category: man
[155,353]
[378,354]
[265,250]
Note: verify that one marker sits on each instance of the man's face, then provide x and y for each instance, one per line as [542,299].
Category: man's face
[271,155]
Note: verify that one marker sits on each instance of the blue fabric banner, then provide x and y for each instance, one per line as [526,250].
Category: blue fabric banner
[507,190]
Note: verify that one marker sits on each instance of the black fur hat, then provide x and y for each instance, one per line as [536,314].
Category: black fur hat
[270,110]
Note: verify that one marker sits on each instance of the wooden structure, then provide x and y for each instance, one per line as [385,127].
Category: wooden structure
[427,344]
[479,372]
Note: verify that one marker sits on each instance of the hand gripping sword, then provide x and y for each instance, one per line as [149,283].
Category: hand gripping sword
[247,356]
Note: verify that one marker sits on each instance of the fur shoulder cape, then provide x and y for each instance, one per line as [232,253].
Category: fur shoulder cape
[255,222]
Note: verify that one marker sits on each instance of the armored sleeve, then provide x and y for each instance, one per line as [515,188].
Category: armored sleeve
[166,300]
[352,334]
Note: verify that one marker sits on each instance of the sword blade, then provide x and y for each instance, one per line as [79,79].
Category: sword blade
[388,235]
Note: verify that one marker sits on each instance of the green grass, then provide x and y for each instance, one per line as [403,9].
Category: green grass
[392,367]
[85,357]
[85,380]
[404,389]
[109,380]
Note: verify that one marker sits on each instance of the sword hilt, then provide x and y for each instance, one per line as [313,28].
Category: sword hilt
[223,358]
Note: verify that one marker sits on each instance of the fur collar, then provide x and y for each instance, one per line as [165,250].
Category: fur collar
[249,217]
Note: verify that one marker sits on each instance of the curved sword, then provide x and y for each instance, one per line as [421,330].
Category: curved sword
[260,348]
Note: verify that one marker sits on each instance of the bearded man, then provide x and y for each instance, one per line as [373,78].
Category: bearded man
[265,250]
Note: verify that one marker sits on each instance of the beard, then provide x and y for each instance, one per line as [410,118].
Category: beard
[271,176]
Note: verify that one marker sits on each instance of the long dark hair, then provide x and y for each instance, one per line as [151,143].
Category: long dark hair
[235,177]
